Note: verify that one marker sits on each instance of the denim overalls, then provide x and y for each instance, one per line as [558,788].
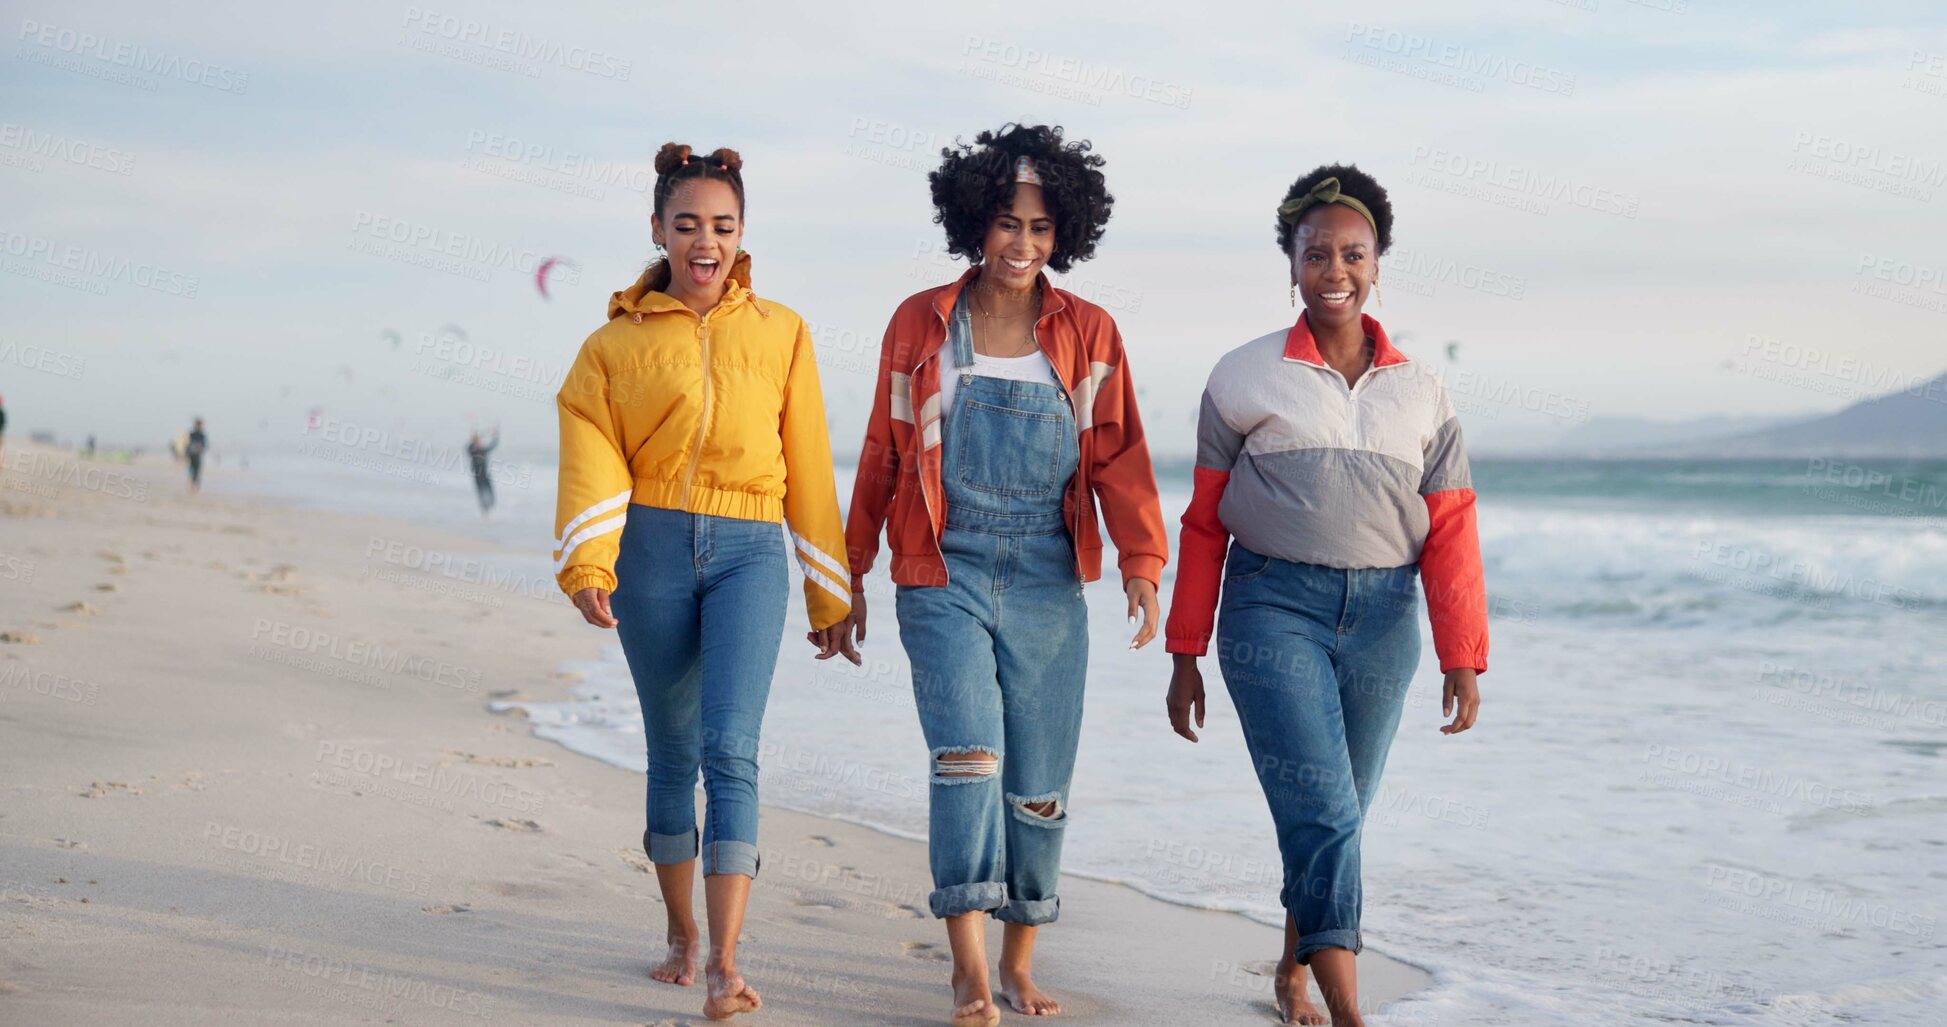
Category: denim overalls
[1000,652]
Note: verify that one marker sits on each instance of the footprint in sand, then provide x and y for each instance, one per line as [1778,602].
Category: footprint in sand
[822,840]
[108,586]
[927,950]
[84,608]
[510,824]
[502,761]
[451,907]
[19,638]
[98,789]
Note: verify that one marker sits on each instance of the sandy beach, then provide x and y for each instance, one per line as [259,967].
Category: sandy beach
[253,774]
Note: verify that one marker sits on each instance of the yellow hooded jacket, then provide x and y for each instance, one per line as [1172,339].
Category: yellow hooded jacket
[717,414]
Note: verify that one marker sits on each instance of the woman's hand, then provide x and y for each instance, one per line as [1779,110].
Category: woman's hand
[1186,695]
[1460,699]
[593,604]
[838,638]
[1142,593]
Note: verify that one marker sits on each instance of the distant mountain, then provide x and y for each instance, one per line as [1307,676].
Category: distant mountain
[1637,436]
[1909,423]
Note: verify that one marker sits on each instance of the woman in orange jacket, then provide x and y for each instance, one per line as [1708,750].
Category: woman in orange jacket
[1004,410]
[691,424]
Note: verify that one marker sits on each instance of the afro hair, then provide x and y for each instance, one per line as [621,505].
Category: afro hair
[975,183]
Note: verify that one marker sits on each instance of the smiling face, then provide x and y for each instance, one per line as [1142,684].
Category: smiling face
[1019,241]
[703,230]
[1333,263]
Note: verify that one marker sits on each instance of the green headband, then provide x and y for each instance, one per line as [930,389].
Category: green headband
[1326,191]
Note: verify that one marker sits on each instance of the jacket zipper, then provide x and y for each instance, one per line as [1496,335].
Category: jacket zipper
[703,421]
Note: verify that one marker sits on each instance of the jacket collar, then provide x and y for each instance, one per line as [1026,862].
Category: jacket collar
[640,299]
[1300,346]
[949,294]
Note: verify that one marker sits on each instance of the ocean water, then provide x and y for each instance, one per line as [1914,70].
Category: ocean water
[1708,785]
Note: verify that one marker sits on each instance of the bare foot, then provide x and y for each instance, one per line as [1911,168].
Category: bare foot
[729,995]
[1294,1001]
[973,1003]
[679,964]
[1017,987]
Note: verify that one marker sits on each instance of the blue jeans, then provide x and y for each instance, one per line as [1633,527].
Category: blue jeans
[1000,652]
[699,602]
[1317,661]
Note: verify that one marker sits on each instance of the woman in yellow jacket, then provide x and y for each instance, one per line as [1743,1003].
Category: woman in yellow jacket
[691,424]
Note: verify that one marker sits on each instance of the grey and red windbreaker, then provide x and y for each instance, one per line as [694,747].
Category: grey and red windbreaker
[1295,465]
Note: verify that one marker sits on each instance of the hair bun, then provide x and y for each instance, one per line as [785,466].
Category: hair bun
[728,158]
[671,157]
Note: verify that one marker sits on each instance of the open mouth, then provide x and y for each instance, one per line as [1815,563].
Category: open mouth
[1337,298]
[703,270]
[1018,266]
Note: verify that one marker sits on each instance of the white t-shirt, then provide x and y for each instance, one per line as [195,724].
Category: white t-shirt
[1034,367]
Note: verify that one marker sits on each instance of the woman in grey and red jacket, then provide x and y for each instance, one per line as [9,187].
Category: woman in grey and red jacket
[1332,465]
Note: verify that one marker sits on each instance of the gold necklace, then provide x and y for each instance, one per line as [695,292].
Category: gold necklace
[981,309]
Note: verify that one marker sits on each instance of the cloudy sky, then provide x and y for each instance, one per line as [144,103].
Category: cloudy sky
[1664,209]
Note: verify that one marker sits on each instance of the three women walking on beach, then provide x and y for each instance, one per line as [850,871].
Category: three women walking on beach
[1330,477]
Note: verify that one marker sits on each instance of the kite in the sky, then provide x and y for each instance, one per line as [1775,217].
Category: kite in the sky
[541,274]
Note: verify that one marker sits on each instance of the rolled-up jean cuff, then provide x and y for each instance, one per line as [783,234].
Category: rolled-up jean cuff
[1338,939]
[731,858]
[670,848]
[1030,911]
[965,898]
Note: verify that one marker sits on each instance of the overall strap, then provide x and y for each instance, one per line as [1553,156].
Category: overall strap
[960,333]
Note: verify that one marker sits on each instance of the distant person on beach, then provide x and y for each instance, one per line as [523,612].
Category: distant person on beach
[3,427]
[1332,467]
[1018,416]
[483,484]
[89,449]
[691,424]
[193,450]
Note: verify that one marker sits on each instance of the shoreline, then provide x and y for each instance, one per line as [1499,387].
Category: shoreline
[343,828]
